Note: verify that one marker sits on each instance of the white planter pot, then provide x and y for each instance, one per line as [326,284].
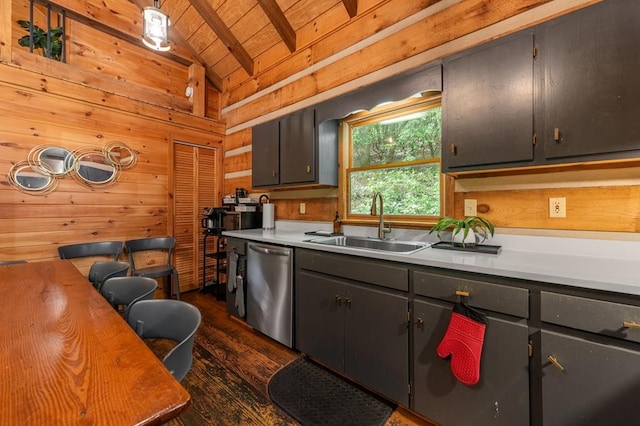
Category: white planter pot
[469,241]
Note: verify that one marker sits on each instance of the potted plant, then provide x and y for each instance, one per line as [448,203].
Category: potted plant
[465,232]
[52,50]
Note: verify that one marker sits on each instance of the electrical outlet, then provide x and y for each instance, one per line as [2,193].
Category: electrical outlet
[303,208]
[470,207]
[558,207]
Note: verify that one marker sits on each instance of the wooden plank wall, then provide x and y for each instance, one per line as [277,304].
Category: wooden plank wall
[453,27]
[110,90]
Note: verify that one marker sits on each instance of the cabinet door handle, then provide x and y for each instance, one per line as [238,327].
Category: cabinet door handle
[347,302]
[308,169]
[630,324]
[273,173]
[420,323]
[555,362]
[338,300]
[556,134]
[454,149]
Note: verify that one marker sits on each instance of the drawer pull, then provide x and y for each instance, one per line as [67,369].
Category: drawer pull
[555,362]
[630,324]
[338,300]
[462,293]
[347,302]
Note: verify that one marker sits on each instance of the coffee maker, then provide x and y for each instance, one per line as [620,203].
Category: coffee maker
[213,222]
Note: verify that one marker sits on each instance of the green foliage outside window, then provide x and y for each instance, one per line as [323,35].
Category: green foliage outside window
[407,189]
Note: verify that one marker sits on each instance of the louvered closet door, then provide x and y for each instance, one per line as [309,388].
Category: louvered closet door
[195,188]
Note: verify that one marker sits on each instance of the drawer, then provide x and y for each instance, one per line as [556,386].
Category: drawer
[240,246]
[494,297]
[597,316]
[369,271]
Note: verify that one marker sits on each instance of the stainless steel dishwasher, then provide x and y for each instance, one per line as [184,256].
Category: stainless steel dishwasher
[269,291]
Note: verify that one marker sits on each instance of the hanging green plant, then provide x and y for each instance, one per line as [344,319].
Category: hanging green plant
[54,50]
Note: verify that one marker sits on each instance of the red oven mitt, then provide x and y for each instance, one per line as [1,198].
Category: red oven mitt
[463,341]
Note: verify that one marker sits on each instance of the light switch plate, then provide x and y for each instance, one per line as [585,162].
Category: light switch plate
[470,207]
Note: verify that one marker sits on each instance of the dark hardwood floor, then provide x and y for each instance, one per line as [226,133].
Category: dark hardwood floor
[231,368]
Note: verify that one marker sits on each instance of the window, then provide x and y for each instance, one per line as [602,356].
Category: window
[394,149]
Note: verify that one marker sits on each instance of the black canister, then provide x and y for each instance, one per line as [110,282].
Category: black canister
[240,193]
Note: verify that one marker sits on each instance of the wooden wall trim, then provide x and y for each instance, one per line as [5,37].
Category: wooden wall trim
[561,179]
[38,64]
[18,77]
[5,30]
[197,87]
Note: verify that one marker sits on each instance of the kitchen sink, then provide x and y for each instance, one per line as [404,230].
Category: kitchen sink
[367,243]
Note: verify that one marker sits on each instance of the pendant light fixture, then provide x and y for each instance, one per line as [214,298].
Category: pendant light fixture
[155,27]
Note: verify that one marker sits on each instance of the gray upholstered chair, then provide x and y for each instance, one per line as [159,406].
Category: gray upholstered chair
[97,248]
[102,271]
[163,244]
[125,291]
[168,319]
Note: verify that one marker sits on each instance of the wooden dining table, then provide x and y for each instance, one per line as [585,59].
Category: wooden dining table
[68,358]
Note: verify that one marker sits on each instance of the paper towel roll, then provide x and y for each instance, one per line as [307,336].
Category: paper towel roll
[268,216]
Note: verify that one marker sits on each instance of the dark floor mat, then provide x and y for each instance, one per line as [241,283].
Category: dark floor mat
[313,395]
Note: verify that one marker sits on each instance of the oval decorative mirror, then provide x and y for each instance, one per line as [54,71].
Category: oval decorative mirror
[52,160]
[120,155]
[93,168]
[27,179]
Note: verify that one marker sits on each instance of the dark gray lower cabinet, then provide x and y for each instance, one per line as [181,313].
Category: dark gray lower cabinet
[501,397]
[590,384]
[359,331]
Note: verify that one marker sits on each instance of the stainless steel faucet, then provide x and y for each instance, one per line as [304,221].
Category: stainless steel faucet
[381,229]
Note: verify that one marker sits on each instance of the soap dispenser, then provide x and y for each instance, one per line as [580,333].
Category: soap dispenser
[336,224]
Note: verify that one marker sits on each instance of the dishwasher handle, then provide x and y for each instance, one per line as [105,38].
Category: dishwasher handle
[269,250]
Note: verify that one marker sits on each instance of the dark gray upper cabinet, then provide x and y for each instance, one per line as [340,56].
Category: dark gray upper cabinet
[591,84]
[297,143]
[488,104]
[266,154]
[575,100]
[295,151]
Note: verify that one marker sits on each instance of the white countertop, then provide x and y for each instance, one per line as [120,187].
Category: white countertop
[594,264]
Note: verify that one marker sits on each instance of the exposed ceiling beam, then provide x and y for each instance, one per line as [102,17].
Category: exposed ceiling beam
[178,40]
[218,26]
[280,22]
[351,6]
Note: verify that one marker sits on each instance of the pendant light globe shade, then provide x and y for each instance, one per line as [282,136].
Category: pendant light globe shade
[155,28]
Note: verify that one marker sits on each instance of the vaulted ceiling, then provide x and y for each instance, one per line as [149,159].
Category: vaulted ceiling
[234,37]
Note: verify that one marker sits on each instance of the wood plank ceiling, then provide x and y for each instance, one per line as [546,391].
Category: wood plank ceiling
[230,37]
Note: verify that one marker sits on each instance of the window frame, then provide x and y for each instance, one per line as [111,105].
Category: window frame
[379,113]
